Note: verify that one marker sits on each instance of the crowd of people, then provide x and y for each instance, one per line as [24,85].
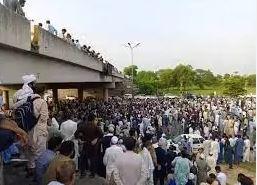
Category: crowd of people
[127,141]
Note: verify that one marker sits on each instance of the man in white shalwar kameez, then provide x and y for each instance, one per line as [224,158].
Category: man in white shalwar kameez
[211,161]
[246,157]
[148,162]
[110,156]
[215,148]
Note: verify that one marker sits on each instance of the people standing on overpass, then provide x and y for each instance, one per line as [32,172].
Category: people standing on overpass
[77,44]
[64,33]
[51,28]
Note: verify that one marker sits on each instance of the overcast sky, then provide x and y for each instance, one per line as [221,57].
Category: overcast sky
[219,35]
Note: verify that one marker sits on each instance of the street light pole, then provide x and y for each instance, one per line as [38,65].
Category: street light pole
[131,47]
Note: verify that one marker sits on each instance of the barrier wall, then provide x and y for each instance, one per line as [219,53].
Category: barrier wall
[14,29]
[56,47]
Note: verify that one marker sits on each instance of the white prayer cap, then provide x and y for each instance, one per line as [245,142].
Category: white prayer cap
[28,78]
[210,153]
[163,135]
[114,140]
[191,176]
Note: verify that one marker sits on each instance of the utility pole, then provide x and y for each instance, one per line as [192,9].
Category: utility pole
[131,47]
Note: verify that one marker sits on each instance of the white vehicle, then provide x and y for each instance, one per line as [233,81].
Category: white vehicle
[127,96]
[196,139]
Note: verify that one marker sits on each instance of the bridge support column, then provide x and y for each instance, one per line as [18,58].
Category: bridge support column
[80,93]
[55,95]
[106,94]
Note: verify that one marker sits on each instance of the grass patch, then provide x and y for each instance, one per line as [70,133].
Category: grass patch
[205,92]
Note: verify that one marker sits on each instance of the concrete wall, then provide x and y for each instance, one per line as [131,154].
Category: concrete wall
[14,64]
[54,46]
[14,29]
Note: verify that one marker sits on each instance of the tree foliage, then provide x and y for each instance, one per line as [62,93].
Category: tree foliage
[204,78]
[251,80]
[234,86]
[183,76]
[128,71]
[147,82]
[165,78]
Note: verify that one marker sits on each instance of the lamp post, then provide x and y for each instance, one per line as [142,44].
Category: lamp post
[131,47]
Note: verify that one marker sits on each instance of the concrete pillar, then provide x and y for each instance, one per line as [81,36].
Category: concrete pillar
[55,95]
[6,98]
[106,94]
[80,93]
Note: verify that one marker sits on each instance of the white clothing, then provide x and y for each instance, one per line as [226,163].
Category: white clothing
[111,154]
[211,161]
[23,93]
[130,169]
[246,157]
[68,128]
[191,131]
[222,178]
[197,132]
[236,127]
[215,149]
[206,131]
[55,183]
[206,147]
[148,162]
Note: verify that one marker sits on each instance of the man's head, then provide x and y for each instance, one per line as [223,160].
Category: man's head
[218,169]
[114,140]
[67,149]
[64,31]
[54,143]
[212,176]
[40,24]
[47,22]
[22,2]
[130,143]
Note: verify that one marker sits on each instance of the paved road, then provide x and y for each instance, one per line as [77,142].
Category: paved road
[15,175]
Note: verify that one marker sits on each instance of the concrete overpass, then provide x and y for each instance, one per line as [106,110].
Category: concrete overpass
[57,63]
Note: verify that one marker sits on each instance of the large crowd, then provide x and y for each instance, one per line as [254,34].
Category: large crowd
[129,141]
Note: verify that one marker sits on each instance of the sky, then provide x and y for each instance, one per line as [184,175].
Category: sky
[219,35]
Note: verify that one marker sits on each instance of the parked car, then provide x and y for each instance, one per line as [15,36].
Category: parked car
[197,142]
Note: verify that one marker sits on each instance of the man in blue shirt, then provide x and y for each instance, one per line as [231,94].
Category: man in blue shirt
[50,28]
[46,157]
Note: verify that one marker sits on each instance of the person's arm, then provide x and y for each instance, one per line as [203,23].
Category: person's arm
[105,157]
[12,126]
[43,113]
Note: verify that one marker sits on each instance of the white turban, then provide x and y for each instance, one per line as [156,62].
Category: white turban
[28,78]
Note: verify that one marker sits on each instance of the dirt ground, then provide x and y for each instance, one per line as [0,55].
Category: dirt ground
[249,169]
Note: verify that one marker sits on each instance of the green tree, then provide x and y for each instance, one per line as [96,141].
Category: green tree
[204,78]
[251,80]
[146,82]
[183,76]
[128,71]
[165,78]
[234,86]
